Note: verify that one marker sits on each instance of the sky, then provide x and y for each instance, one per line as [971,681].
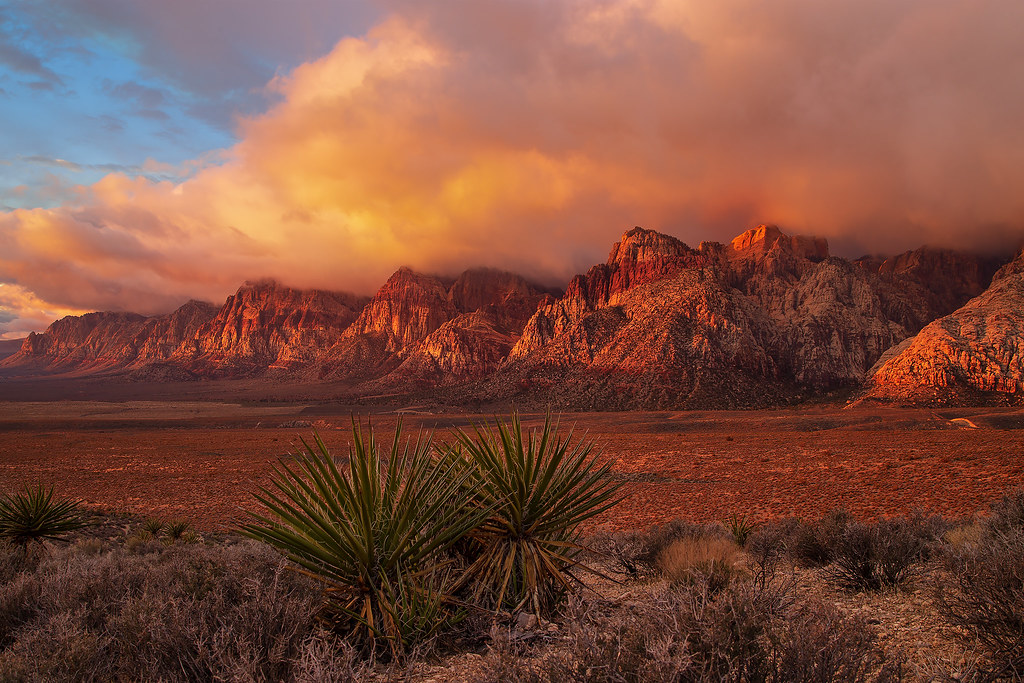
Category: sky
[154,152]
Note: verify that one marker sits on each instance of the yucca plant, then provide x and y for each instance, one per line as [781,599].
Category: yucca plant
[177,528]
[32,515]
[539,487]
[375,533]
[741,527]
[153,526]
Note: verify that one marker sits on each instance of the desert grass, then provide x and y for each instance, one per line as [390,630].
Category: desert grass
[711,560]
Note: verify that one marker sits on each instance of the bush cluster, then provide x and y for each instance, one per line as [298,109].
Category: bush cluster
[394,546]
[743,632]
[986,592]
[172,613]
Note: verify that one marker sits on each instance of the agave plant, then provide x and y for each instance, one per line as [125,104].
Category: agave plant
[539,489]
[374,533]
[32,515]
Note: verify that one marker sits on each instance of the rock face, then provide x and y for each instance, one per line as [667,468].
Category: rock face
[405,310]
[424,331]
[765,319]
[161,336]
[262,326]
[973,355]
[265,325]
[90,342]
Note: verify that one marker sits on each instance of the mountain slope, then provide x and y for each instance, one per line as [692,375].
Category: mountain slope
[973,355]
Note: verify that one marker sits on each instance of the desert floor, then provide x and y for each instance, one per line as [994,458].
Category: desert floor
[202,460]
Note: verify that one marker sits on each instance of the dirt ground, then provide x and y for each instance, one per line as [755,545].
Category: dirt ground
[201,460]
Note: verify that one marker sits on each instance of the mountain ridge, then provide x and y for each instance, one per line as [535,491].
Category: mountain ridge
[766,319]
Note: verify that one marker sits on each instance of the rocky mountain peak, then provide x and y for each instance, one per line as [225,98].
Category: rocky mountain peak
[972,355]
[79,341]
[1014,267]
[639,246]
[407,308]
[947,278]
[765,238]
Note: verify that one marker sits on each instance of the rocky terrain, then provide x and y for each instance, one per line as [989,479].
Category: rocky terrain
[767,319]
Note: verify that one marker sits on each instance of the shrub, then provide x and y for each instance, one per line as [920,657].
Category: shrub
[871,556]
[987,598]
[813,544]
[32,515]
[743,634]
[374,535]
[537,489]
[767,546]
[177,528]
[1007,514]
[664,535]
[153,526]
[636,554]
[819,643]
[180,613]
[627,550]
[965,535]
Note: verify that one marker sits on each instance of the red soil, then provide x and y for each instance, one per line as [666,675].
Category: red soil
[202,461]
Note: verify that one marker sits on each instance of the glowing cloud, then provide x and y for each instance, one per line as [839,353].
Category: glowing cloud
[527,135]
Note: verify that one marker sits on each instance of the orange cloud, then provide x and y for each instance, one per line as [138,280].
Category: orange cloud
[22,312]
[527,135]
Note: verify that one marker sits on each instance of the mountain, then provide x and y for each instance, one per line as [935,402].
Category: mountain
[973,355]
[267,326]
[429,328]
[90,342]
[423,330]
[492,307]
[766,319]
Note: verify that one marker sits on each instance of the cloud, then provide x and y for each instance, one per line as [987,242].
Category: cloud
[22,312]
[151,168]
[221,53]
[144,96]
[21,60]
[528,135]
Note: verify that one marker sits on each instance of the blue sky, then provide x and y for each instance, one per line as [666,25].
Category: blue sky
[93,86]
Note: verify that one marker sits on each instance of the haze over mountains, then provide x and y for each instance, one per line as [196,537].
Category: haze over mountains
[768,319]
